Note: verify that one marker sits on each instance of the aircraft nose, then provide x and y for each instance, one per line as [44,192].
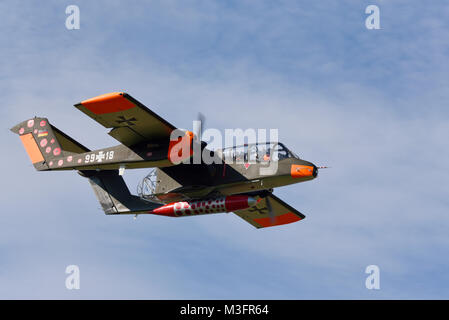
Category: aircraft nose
[303,170]
[315,171]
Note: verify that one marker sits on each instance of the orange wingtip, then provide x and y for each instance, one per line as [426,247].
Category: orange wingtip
[107,103]
[31,148]
[288,217]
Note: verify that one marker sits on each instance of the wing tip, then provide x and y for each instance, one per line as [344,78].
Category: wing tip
[286,218]
[102,97]
[106,103]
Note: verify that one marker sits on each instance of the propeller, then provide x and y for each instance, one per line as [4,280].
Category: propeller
[266,195]
[198,126]
[198,129]
[270,209]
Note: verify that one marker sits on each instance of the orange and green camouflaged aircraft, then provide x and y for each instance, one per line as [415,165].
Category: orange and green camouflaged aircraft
[240,179]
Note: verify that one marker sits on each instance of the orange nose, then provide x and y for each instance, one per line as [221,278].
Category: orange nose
[300,171]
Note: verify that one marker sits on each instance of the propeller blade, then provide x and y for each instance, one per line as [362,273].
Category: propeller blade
[199,126]
[202,119]
[270,209]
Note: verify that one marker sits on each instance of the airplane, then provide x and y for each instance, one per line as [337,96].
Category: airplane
[234,182]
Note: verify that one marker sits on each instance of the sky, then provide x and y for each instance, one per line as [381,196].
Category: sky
[372,104]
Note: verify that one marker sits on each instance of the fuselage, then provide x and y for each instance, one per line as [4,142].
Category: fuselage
[230,177]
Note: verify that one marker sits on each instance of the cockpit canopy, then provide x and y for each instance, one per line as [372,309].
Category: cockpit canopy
[257,152]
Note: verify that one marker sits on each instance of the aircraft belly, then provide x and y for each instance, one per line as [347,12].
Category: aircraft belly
[257,184]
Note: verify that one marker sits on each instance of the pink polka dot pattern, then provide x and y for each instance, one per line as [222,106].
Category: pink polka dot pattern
[69,159]
[43,142]
[200,207]
[48,150]
[194,207]
[43,123]
[22,130]
[57,151]
[60,162]
[30,123]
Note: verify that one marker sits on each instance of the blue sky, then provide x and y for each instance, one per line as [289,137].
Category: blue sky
[370,103]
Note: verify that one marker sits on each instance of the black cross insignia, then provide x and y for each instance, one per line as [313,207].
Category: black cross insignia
[129,122]
[260,211]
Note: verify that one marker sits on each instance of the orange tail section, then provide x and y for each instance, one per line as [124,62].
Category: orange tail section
[44,143]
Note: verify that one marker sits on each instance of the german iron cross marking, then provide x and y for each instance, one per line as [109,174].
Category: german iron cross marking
[129,122]
[260,211]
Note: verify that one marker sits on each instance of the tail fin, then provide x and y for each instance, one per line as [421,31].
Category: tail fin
[45,143]
[113,193]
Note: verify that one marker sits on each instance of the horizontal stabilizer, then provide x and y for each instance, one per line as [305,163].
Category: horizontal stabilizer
[67,143]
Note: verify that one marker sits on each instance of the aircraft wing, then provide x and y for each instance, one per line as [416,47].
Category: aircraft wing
[130,121]
[258,214]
